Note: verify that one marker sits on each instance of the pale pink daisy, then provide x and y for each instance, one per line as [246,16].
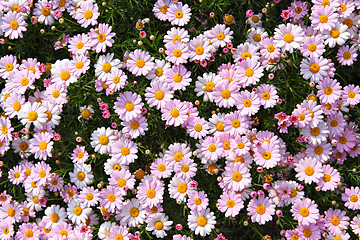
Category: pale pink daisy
[135,127]
[158,94]
[209,149]
[346,140]
[13,25]
[177,52]
[336,220]
[245,51]
[230,203]
[337,35]
[158,223]
[226,94]
[43,14]
[28,231]
[185,169]
[316,135]
[329,90]
[125,150]
[309,231]
[268,155]
[79,155]
[355,224]
[220,35]
[32,113]
[174,113]
[250,72]
[267,95]
[105,65]
[8,64]
[202,222]
[346,55]
[179,14]
[309,170]
[79,44]
[41,145]
[205,84]
[101,140]
[61,73]
[13,104]
[314,69]
[150,191]
[248,103]
[140,62]
[160,9]
[261,210]
[305,211]
[132,213]
[176,34]
[323,18]
[111,198]
[122,180]
[128,105]
[40,173]
[56,94]
[6,129]
[16,175]
[79,65]
[320,152]
[313,46]
[298,9]
[351,197]
[236,177]
[157,73]
[288,37]
[10,212]
[351,94]
[336,123]
[178,77]
[161,168]
[179,188]
[176,152]
[197,201]
[200,49]
[101,39]
[236,124]
[87,14]
[197,127]
[268,49]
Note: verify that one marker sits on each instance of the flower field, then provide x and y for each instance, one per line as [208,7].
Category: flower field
[169,119]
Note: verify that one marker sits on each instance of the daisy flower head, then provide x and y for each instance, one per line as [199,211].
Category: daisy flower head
[337,35]
[298,9]
[305,211]
[157,73]
[309,170]
[315,111]
[317,134]
[101,139]
[261,210]
[6,129]
[13,104]
[125,150]
[250,72]
[236,177]
[28,231]
[82,175]
[40,173]
[177,152]
[117,232]
[248,103]
[180,188]
[255,20]
[202,222]
[158,224]
[351,197]
[77,212]
[10,212]
[8,64]
[161,168]
[220,35]
[236,124]
[288,37]
[346,55]
[231,203]
[176,34]
[351,94]
[86,112]
[132,213]
[41,145]
[105,65]
[205,84]
[6,230]
[62,73]
[197,127]
[128,105]
[267,95]
[150,191]
[346,8]
[336,124]
[87,14]
[54,216]
[13,25]
[43,14]
[56,94]
[268,48]
[79,65]
[135,127]
[268,155]
[314,69]
[346,140]
[313,46]
[320,152]
[178,77]
[329,91]
[102,38]
[179,14]
[116,81]
[351,21]
[177,52]
[355,224]
[174,113]
[323,18]
[209,149]
[32,113]
[200,49]
[140,62]
[257,35]
[197,201]
[160,9]
[16,175]
[158,94]
[111,199]
[335,220]
[226,94]
[79,44]
[245,51]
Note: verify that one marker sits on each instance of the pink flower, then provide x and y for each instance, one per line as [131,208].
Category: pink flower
[249,13]
[193,184]
[25,130]
[106,216]
[48,6]
[300,139]
[2,41]
[84,229]
[22,9]
[260,193]
[225,50]
[285,14]
[279,101]
[15,134]
[114,125]
[47,82]
[58,13]
[203,63]
[266,186]
[253,194]
[279,213]
[56,136]
[142,34]
[42,201]
[106,114]
[212,14]
[33,20]
[78,139]
[271,76]
[179,227]
[104,106]
[191,29]
[143,111]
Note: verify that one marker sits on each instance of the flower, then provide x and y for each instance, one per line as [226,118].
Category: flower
[101,139]
[309,170]
[158,224]
[346,55]
[351,94]
[101,39]
[226,94]
[220,35]
[132,213]
[249,103]
[54,215]
[150,191]
[351,197]
[41,145]
[336,35]
[202,222]
[76,212]
[178,77]
[174,113]
[197,201]
[124,150]
[305,211]
[13,25]
[176,34]
[335,220]
[200,49]
[250,72]
[288,37]
[158,94]
[230,203]
[82,175]
[261,209]
[140,62]
[160,9]
[179,14]
[32,113]
[314,69]
[323,18]
[237,177]
[128,105]
[177,52]
[205,85]
[87,14]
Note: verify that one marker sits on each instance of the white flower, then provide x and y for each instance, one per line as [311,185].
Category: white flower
[76,212]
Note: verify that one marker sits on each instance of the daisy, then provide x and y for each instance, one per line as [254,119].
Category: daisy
[236,124]
[255,20]
[28,231]
[336,220]
[10,212]
[179,188]
[86,112]
[174,113]
[314,69]
[346,140]
[56,183]
[6,129]
[176,152]
[319,152]
[351,197]
[245,51]
[177,52]
[257,35]
[32,113]
[122,180]
[150,192]
[313,47]
[225,94]
[125,150]
[158,94]
[323,18]
[158,224]
[40,173]
[205,84]
[160,9]
[157,73]
[298,9]
[105,64]
[336,35]
[220,35]
[135,127]
[41,145]
[267,95]
[200,49]
[79,65]
[56,94]
[16,175]
[249,103]
[336,124]
[237,177]
[112,165]
[6,230]
[216,123]
[13,104]
[8,64]
[209,149]
[13,25]
[179,14]
[62,73]
[76,212]
[329,90]
[128,105]
[288,37]
[309,170]
[87,14]
[346,55]
[161,168]
[89,196]
[82,175]
[261,210]
[43,14]
[178,77]
[305,211]
[101,139]
[268,155]
[176,34]
[317,134]
[197,201]
[315,111]
[347,7]
[309,231]
[250,72]
[111,199]
[351,94]
[140,62]
[79,44]
[202,222]
[54,215]
[117,232]
[268,49]
[101,39]
[355,224]
[351,21]
[230,203]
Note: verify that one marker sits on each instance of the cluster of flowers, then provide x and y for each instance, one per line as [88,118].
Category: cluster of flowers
[328,134]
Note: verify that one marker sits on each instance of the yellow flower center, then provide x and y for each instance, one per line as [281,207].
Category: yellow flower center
[229,19]
[257,38]
[134,125]
[11,212]
[101,37]
[54,217]
[220,36]
[323,18]
[249,72]
[29,233]
[70,193]
[106,67]
[121,182]
[45,12]
[354,198]
[129,106]
[158,225]
[9,67]
[343,140]
[14,25]
[182,188]
[54,182]
[212,148]
[334,33]
[351,94]
[125,151]
[79,65]
[318,150]
[312,47]
[199,50]
[235,123]
[6,231]
[236,176]
[220,126]
[328,90]
[260,209]
[159,95]
[42,146]
[56,93]
[111,197]
[134,212]
[343,7]
[177,53]
[335,221]
[348,22]
[164,9]
[65,75]
[347,55]
[176,38]
[79,45]
[178,156]
[201,221]
[230,203]
[309,171]
[88,14]
[32,116]
[15,8]
[298,10]
[42,173]
[185,168]
[116,80]
[314,68]
[81,176]
[315,131]
[246,55]
[23,146]
[266,155]
[198,127]
[197,201]
[117,167]
[288,37]
[162,168]
[270,48]
[177,78]
[179,14]
[119,237]
[247,103]
[24,82]
[304,212]
[77,210]
[150,193]
[326,178]
[85,113]
[103,140]
[16,175]
[140,63]
[265,96]
[225,93]
[174,113]
[307,232]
